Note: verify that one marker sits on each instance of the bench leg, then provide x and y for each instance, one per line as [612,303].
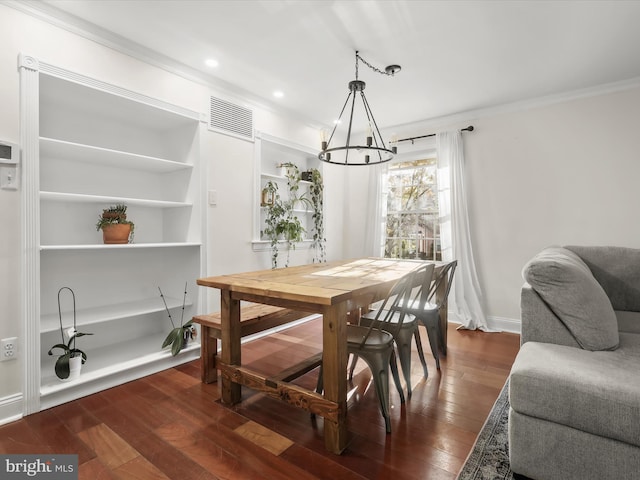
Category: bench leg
[208,354]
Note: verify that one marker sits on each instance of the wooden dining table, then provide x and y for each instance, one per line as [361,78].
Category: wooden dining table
[332,289]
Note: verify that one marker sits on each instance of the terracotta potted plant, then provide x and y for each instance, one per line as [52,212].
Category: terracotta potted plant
[115,226]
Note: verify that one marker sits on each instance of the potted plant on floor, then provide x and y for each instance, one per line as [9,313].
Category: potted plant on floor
[69,363]
[116,229]
[180,335]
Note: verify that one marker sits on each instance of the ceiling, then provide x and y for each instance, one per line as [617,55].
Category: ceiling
[456,56]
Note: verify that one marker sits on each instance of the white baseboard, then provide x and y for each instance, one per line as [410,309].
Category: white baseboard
[10,408]
[511,325]
[496,324]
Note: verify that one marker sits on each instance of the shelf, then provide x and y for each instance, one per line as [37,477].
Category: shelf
[112,360]
[83,198]
[275,177]
[100,246]
[50,147]
[89,96]
[296,210]
[283,178]
[116,311]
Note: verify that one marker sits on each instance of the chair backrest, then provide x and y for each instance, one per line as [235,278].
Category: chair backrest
[445,274]
[398,295]
[423,278]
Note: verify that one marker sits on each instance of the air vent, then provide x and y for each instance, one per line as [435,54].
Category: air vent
[231,119]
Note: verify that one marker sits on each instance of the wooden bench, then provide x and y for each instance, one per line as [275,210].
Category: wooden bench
[254,318]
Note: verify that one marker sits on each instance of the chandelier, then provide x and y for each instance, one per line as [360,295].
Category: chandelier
[374,149]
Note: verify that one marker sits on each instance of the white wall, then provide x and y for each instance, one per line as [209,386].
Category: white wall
[229,163]
[565,173]
[561,174]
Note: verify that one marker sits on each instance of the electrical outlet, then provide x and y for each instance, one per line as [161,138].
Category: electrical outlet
[8,349]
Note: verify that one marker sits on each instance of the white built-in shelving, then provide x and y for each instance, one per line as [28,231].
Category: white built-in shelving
[90,145]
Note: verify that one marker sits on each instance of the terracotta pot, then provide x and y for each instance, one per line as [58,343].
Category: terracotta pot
[116,233]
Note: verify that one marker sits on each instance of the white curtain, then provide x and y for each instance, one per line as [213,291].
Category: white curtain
[465,297]
[376,218]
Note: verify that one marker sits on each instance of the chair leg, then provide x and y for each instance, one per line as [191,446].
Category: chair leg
[380,375]
[354,360]
[434,340]
[416,336]
[403,340]
[382,388]
[320,384]
[396,376]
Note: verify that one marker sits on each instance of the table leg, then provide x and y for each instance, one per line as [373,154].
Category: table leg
[334,358]
[208,354]
[230,353]
[440,293]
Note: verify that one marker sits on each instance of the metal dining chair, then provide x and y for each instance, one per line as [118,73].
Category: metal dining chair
[375,345]
[429,313]
[403,324]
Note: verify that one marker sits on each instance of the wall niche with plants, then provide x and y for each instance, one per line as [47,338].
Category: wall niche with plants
[291,201]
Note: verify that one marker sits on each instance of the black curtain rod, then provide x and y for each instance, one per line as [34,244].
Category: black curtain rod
[411,139]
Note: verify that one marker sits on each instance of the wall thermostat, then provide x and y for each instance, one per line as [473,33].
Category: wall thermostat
[9,160]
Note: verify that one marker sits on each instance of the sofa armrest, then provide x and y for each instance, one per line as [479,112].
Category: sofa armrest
[539,323]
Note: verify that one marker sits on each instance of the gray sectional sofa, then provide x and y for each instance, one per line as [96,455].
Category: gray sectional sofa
[574,387]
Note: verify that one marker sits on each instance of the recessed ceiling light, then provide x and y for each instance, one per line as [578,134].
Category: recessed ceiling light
[211,62]
[278,94]
[336,122]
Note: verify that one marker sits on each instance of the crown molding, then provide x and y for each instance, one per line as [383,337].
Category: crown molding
[519,106]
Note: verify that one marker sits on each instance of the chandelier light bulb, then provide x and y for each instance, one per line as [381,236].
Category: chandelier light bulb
[393,143]
[323,138]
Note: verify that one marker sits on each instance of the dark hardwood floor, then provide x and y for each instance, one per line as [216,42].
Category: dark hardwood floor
[169,425]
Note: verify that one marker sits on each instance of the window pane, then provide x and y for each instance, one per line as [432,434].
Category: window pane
[412,229]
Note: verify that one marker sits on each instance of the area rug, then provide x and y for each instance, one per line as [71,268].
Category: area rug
[489,457]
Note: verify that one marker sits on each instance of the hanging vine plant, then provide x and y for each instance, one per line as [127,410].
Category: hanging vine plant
[316,194]
[275,215]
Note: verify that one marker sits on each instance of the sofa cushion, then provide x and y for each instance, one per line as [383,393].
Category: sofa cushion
[566,284]
[595,392]
[617,269]
[628,321]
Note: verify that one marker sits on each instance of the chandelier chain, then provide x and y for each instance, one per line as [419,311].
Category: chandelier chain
[375,69]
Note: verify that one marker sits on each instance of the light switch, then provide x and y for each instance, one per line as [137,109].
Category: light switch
[213,197]
[8,177]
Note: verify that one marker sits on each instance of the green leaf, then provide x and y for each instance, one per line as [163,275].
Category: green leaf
[171,337]
[61,346]
[62,366]
[177,345]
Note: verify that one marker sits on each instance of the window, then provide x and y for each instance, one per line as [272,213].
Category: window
[412,226]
